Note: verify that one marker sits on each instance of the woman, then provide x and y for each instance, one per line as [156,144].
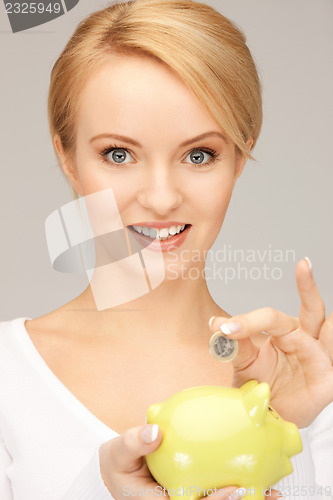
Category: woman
[159,102]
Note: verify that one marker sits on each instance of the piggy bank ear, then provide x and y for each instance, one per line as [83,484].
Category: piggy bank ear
[152,412]
[256,402]
[249,385]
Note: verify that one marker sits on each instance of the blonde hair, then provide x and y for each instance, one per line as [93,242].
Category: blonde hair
[204,48]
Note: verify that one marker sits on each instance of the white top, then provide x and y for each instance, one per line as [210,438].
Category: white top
[49,441]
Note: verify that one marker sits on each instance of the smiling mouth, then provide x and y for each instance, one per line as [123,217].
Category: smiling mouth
[162,234]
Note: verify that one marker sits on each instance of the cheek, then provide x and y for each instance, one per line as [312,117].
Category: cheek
[91,173]
[94,175]
[219,202]
[92,180]
[213,193]
[111,196]
[215,199]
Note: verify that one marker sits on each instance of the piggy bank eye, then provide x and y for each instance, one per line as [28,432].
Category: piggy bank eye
[273,413]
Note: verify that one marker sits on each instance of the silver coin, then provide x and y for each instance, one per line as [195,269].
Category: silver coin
[222,348]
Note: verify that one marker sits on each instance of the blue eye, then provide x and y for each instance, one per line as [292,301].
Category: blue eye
[197,156]
[116,155]
[119,155]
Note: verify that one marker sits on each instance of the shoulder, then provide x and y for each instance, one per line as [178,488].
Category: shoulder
[61,322]
[15,334]
[57,333]
[11,333]
[10,327]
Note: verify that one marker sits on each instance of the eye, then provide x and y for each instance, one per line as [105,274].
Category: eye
[116,155]
[202,156]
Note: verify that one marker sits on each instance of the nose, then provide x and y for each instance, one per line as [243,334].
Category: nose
[160,192]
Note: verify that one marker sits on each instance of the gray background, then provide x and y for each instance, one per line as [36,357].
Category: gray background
[284,200]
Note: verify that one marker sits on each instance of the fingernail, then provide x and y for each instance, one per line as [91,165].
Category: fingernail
[309,262]
[149,433]
[237,494]
[211,321]
[228,328]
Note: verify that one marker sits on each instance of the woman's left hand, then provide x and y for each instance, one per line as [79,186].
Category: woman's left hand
[296,359]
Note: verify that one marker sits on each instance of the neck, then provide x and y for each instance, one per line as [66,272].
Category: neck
[176,310]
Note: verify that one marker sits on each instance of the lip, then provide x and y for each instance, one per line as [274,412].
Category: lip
[159,225]
[156,245]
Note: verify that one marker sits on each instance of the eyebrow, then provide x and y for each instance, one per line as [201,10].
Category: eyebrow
[135,143]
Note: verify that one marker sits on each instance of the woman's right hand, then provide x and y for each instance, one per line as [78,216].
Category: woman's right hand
[125,472]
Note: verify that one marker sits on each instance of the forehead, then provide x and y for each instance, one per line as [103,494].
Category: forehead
[128,92]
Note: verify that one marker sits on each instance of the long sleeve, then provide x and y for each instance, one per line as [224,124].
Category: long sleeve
[5,460]
[321,444]
[89,484]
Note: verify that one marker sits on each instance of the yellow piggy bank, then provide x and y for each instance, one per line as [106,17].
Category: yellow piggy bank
[215,437]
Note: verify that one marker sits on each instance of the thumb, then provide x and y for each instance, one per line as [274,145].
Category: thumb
[129,448]
[247,353]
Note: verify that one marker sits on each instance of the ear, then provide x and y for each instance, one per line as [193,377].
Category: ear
[67,164]
[241,160]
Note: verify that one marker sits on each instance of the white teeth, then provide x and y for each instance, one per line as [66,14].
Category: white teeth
[161,234]
[153,232]
[164,232]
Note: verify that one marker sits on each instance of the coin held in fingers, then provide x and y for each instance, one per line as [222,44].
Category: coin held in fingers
[222,348]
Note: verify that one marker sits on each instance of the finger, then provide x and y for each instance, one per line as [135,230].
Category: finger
[312,309]
[128,449]
[267,319]
[326,335]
